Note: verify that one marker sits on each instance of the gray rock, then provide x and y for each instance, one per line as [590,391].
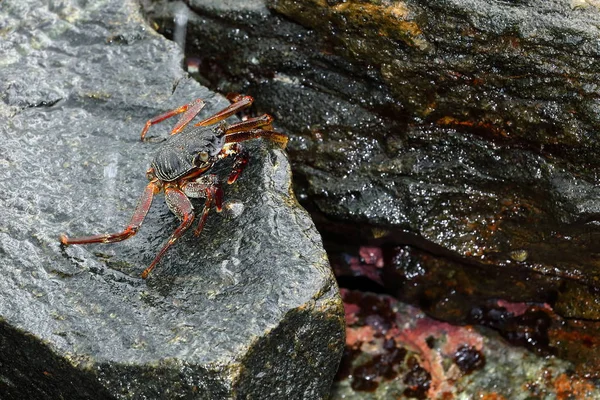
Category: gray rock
[247,310]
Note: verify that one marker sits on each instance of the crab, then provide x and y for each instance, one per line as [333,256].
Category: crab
[181,167]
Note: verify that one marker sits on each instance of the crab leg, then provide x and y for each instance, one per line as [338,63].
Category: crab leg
[251,123]
[211,195]
[181,206]
[233,137]
[239,103]
[189,111]
[208,187]
[257,133]
[139,214]
[240,161]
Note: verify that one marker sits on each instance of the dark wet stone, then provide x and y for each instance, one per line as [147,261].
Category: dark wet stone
[417,379]
[465,129]
[247,310]
[453,141]
[469,359]
[490,154]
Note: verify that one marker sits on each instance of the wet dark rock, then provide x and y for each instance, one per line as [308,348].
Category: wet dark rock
[464,129]
[469,359]
[417,380]
[247,310]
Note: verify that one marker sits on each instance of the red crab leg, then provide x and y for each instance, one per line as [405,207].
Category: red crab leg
[213,194]
[189,111]
[240,162]
[249,124]
[233,147]
[239,103]
[139,214]
[257,133]
[209,188]
[241,159]
[181,206]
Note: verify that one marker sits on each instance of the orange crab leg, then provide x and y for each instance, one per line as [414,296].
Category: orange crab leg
[189,111]
[134,225]
[264,120]
[255,134]
[181,206]
[239,103]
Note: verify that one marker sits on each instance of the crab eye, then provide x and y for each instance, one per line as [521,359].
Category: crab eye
[201,158]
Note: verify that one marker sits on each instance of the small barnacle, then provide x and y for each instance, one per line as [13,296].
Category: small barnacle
[519,255]
[234,208]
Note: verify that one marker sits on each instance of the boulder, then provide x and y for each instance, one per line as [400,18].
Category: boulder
[249,309]
[462,130]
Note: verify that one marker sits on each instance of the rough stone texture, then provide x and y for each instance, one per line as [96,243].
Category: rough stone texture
[501,103]
[365,153]
[466,129]
[248,310]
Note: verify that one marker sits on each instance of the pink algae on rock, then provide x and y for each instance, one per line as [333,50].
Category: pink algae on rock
[385,341]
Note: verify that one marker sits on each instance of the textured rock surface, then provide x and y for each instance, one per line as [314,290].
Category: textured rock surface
[448,173]
[248,310]
[501,105]
[467,130]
